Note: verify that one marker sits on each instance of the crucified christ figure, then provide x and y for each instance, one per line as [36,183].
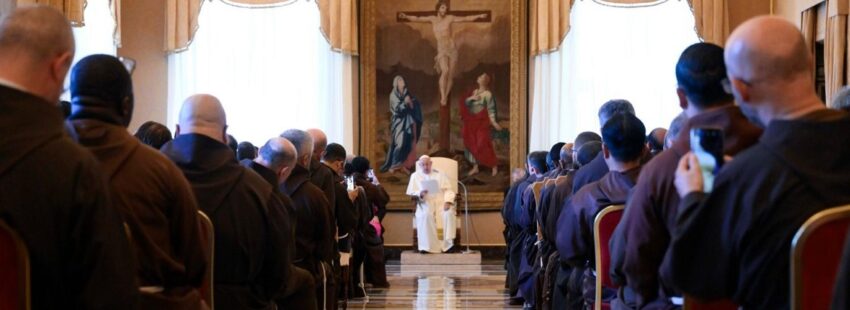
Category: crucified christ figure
[441,23]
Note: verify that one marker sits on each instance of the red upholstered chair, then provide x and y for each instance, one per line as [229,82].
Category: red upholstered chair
[815,257]
[692,304]
[14,270]
[208,237]
[603,229]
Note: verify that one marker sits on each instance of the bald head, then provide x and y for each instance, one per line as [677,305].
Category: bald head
[278,154]
[770,68]
[303,143]
[655,140]
[566,156]
[36,50]
[38,32]
[320,142]
[203,114]
[767,48]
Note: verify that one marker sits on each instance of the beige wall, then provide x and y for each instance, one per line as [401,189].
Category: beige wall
[486,229]
[740,11]
[143,35]
[790,9]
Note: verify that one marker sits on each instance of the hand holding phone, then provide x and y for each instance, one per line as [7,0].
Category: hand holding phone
[707,145]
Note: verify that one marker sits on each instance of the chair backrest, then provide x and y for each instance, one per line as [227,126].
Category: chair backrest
[723,304]
[603,229]
[560,179]
[14,270]
[537,189]
[448,167]
[208,238]
[815,258]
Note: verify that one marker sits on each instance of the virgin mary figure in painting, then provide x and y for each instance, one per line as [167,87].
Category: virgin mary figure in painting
[405,128]
[478,114]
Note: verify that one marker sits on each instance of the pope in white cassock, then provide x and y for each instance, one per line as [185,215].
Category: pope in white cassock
[430,204]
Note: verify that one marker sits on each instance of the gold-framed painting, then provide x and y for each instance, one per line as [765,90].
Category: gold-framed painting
[445,79]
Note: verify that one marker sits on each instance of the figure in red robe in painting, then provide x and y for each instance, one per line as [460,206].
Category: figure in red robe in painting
[478,114]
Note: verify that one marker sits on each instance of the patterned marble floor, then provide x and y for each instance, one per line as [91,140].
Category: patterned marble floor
[439,287]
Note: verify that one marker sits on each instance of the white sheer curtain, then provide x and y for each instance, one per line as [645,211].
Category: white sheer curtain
[96,37]
[271,68]
[610,53]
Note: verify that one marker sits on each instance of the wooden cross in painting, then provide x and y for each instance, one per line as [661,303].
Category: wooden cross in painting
[441,21]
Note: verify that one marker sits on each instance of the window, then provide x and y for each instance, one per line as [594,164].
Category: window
[96,37]
[271,68]
[611,53]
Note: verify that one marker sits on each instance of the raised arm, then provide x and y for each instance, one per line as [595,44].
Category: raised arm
[470,18]
[415,19]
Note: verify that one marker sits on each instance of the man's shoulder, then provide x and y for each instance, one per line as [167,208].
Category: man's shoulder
[253,182]
[746,163]
[310,192]
[73,156]
[155,161]
[585,193]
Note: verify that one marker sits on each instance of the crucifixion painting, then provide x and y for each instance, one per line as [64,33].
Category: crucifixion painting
[445,61]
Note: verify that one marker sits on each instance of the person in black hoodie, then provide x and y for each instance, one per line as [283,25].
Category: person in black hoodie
[315,231]
[52,192]
[250,254]
[734,242]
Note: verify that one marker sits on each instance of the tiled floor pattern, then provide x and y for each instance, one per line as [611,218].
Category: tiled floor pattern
[439,287]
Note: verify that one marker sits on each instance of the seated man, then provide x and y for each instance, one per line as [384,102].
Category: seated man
[154,198]
[622,148]
[52,191]
[275,162]
[734,241]
[314,230]
[430,203]
[249,264]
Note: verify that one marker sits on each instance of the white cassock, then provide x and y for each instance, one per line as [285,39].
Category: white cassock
[428,210]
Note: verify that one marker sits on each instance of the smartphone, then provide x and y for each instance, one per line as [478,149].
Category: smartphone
[349,183]
[707,145]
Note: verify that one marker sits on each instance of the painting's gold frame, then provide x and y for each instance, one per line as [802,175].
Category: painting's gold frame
[518,100]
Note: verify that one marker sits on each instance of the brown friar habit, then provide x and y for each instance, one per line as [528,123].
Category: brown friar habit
[376,194]
[644,232]
[558,274]
[300,290]
[249,269]
[593,171]
[314,231]
[284,215]
[735,242]
[345,212]
[575,225]
[323,177]
[159,208]
[53,194]
[512,213]
[527,209]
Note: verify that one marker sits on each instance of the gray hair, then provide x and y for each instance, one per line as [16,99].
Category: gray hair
[277,153]
[614,107]
[674,129]
[302,141]
[841,99]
